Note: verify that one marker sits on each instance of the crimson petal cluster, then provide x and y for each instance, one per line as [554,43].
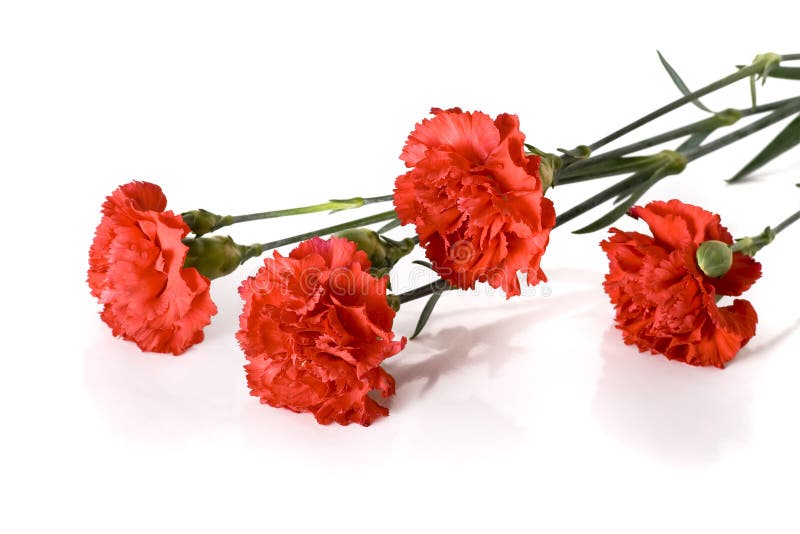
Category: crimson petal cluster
[664,303]
[476,199]
[315,329]
[136,272]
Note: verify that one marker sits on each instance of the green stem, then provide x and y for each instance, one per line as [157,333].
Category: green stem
[364,221]
[775,116]
[603,169]
[723,118]
[623,186]
[787,222]
[750,70]
[790,57]
[439,286]
[335,205]
[643,175]
[202,222]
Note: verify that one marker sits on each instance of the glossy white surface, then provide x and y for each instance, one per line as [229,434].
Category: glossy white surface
[526,415]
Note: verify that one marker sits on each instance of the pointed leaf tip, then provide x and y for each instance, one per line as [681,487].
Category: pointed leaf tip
[787,139]
[678,81]
[426,314]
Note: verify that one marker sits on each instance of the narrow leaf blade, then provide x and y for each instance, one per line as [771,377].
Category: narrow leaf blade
[694,141]
[676,79]
[389,226]
[424,263]
[787,139]
[622,208]
[426,314]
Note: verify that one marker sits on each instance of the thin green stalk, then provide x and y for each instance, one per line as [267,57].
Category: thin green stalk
[723,118]
[790,57]
[439,286]
[751,245]
[603,169]
[623,186]
[202,222]
[334,205]
[788,221]
[364,221]
[751,70]
[775,116]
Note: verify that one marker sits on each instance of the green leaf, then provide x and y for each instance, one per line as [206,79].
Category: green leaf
[624,194]
[424,263]
[787,139]
[694,141]
[389,226]
[679,82]
[623,208]
[426,314]
[579,152]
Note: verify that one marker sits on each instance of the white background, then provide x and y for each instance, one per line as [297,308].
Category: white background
[526,415]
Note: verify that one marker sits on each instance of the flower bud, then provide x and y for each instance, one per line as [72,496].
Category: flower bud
[217,256]
[201,222]
[547,170]
[714,258]
[548,166]
[382,252]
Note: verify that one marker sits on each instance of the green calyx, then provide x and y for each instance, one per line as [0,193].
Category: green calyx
[750,245]
[202,222]
[714,258]
[217,256]
[383,252]
[548,167]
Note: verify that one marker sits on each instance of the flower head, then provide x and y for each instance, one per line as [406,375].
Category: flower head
[315,328]
[136,272]
[476,199]
[664,302]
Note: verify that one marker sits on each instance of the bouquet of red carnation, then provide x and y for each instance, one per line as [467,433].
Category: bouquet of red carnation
[316,324]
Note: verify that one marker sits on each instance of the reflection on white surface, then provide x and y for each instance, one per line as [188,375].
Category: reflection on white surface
[160,397]
[675,411]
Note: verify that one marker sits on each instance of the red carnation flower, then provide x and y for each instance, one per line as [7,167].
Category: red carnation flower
[136,272]
[315,328]
[664,302]
[476,199]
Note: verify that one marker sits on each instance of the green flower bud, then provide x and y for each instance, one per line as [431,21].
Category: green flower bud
[547,170]
[217,256]
[369,242]
[382,252]
[202,222]
[714,258]
[548,166]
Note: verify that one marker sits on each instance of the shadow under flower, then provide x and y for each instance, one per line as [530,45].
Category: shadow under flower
[757,347]
[160,397]
[490,344]
[683,414]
